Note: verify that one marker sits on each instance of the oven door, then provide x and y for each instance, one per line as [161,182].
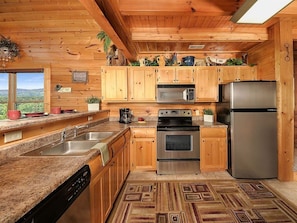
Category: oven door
[178,144]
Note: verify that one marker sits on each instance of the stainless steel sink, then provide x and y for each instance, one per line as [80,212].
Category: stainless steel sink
[94,136]
[68,148]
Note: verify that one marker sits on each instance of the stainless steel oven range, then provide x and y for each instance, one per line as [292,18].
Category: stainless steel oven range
[178,142]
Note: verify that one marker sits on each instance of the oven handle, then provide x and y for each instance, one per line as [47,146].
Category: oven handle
[192,128]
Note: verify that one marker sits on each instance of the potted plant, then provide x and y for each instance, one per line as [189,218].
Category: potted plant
[208,115]
[93,103]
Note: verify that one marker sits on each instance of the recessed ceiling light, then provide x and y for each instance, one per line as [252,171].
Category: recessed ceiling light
[196,47]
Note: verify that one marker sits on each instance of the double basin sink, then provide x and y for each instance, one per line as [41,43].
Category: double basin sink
[79,146]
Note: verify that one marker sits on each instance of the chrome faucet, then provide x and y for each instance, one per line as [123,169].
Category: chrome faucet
[63,135]
[79,127]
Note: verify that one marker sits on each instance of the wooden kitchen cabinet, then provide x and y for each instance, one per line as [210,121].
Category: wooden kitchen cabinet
[206,84]
[213,149]
[142,84]
[100,199]
[114,84]
[229,74]
[185,75]
[107,181]
[175,75]
[143,149]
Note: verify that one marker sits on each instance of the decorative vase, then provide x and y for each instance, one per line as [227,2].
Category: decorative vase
[93,107]
[208,118]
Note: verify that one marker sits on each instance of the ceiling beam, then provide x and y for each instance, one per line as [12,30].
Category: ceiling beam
[193,34]
[98,15]
[178,7]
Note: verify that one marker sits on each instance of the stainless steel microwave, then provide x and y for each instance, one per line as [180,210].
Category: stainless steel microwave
[175,93]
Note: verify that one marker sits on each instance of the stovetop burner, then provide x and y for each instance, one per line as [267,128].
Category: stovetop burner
[175,118]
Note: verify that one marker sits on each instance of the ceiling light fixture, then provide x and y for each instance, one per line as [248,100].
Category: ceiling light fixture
[258,11]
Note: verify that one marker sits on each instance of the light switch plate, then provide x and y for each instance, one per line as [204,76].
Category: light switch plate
[65,90]
[12,136]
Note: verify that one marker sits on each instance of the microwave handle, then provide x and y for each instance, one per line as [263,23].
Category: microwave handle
[186,94]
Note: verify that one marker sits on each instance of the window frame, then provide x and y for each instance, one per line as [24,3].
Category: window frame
[12,80]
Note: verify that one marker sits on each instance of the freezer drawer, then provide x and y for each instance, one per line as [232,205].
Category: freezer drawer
[250,94]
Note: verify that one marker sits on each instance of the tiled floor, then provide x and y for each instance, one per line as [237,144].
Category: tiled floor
[286,189]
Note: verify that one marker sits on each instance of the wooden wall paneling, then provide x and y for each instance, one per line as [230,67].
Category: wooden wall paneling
[150,110]
[263,56]
[60,36]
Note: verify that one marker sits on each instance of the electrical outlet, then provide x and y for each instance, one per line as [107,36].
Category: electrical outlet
[197,112]
[65,90]
[12,136]
[90,118]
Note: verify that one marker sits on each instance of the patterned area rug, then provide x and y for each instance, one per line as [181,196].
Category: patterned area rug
[201,201]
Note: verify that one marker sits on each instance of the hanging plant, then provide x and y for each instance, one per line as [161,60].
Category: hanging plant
[12,48]
[106,40]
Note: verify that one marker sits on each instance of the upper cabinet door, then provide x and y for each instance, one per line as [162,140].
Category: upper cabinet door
[175,75]
[142,84]
[165,75]
[185,75]
[114,84]
[229,74]
[206,84]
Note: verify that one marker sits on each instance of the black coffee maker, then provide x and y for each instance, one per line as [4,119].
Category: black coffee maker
[125,115]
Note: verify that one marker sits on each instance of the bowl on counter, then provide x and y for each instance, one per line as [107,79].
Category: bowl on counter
[13,114]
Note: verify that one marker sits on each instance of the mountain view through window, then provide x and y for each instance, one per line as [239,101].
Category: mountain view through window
[28,91]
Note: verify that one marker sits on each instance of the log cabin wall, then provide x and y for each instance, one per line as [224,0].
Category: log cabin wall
[61,41]
[263,56]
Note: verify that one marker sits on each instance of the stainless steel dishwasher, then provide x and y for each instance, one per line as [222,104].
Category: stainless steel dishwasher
[70,202]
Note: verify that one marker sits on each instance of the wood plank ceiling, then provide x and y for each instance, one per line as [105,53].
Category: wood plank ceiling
[158,26]
[138,27]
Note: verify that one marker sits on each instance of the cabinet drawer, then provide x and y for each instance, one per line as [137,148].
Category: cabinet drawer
[213,132]
[143,132]
[118,145]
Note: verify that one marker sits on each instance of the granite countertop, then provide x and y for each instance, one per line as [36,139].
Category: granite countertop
[7,124]
[25,180]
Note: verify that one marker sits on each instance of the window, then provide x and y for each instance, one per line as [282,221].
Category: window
[23,91]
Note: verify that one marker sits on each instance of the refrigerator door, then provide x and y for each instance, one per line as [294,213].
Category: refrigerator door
[253,148]
[250,94]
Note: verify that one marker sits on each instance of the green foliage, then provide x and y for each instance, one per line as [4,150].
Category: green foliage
[207,111]
[27,101]
[106,40]
[93,100]
[234,61]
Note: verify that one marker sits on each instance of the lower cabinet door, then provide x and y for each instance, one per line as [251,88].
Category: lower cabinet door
[213,155]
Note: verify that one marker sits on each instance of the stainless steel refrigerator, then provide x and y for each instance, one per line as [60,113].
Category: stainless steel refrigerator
[249,110]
